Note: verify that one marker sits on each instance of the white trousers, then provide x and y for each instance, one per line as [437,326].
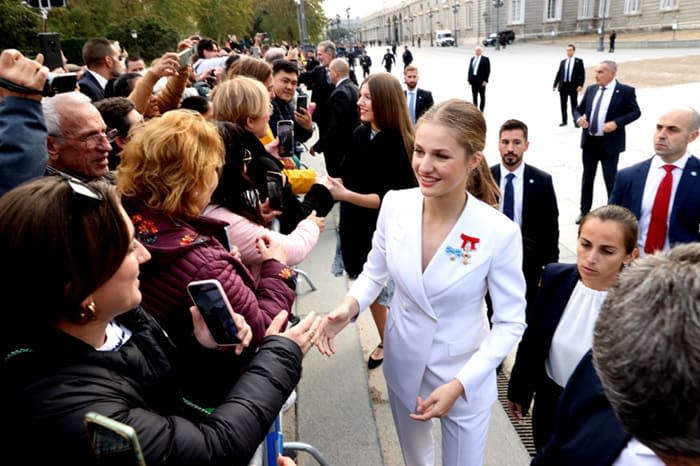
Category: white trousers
[463,435]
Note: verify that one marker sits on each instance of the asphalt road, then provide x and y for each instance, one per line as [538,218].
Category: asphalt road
[341,408]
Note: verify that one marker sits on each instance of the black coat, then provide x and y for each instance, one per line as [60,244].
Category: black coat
[318,198]
[47,391]
[372,166]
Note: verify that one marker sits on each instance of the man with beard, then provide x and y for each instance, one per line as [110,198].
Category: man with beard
[102,61]
[528,199]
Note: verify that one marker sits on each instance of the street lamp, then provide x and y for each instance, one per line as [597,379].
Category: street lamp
[135,36]
[601,39]
[497,4]
[413,38]
[302,22]
[455,7]
[430,15]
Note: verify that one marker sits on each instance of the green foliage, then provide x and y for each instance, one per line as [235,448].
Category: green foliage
[19,26]
[160,24]
[153,37]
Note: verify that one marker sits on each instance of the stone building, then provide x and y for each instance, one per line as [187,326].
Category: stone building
[416,20]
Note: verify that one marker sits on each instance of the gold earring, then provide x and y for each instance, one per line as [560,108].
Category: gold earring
[90,313]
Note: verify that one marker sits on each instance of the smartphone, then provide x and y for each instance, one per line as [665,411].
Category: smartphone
[285,133]
[302,101]
[65,82]
[274,190]
[114,443]
[50,48]
[185,57]
[211,300]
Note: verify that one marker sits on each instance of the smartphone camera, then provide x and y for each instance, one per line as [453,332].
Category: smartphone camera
[274,190]
[59,83]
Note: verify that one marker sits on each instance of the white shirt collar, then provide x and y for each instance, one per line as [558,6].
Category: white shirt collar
[658,162]
[101,81]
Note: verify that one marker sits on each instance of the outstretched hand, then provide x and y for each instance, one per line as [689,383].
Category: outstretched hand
[303,333]
[333,323]
[439,402]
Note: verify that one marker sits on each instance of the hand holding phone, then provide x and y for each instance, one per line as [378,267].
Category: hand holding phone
[285,134]
[302,101]
[185,57]
[274,190]
[213,305]
[50,47]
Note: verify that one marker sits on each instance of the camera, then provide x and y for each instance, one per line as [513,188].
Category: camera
[59,83]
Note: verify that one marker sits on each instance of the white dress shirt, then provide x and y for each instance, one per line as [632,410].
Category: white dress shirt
[518,184]
[100,80]
[607,95]
[654,177]
[574,334]
[637,454]
[476,65]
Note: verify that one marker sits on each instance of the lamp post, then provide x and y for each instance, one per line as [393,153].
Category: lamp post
[411,19]
[302,22]
[135,36]
[497,4]
[601,38]
[455,7]
[430,16]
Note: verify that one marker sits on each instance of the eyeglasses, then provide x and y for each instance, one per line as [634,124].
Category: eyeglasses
[246,157]
[93,140]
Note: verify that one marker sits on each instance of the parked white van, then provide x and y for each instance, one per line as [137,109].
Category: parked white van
[444,38]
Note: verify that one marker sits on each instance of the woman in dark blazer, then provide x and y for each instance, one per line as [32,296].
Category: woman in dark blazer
[564,312]
[379,160]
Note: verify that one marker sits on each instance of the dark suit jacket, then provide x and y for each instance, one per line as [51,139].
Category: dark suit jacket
[482,73]
[540,224]
[586,431]
[90,87]
[424,100]
[320,91]
[558,282]
[343,118]
[623,109]
[578,74]
[684,223]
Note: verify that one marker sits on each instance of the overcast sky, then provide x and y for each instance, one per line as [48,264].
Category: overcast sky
[357,7]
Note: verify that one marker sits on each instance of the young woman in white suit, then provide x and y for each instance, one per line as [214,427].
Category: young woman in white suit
[444,249]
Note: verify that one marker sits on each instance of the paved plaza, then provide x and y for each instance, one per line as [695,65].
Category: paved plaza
[341,408]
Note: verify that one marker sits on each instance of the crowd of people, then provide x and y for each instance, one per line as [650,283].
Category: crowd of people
[116,197]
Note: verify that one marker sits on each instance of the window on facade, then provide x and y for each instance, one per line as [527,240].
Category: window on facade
[631,7]
[669,4]
[552,9]
[604,5]
[516,12]
[468,17]
[586,8]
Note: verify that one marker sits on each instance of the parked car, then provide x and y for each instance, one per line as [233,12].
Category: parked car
[506,38]
[444,38]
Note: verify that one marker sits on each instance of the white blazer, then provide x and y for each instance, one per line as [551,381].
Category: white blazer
[437,318]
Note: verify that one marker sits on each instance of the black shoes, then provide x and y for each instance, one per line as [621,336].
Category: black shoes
[562,124]
[373,363]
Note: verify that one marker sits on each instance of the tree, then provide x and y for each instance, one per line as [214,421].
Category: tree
[19,26]
[218,20]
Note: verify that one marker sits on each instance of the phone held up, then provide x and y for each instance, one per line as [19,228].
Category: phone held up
[211,300]
[285,133]
[302,101]
[185,57]
[50,48]
[113,443]
[274,190]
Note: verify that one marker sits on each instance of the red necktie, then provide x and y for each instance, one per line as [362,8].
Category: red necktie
[656,236]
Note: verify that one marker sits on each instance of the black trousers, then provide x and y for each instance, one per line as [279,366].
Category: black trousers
[567,91]
[594,152]
[544,412]
[365,71]
[480,91]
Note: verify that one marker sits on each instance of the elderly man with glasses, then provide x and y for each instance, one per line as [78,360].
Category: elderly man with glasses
[79,142]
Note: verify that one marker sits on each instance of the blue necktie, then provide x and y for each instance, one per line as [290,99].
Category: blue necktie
[593,127]
[412,107]
[508,197]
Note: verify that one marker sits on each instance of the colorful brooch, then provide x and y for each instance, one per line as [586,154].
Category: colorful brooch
[465,251]
[146,230]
